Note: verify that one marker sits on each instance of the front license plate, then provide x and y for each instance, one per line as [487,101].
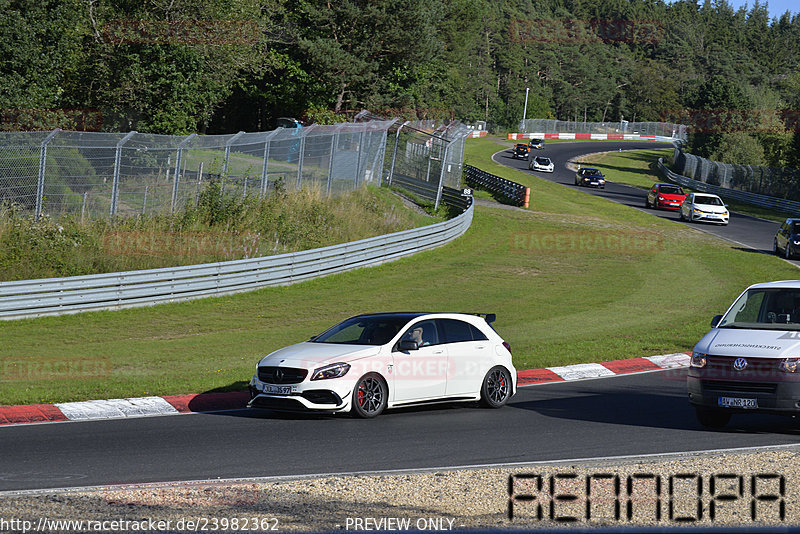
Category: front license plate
[674,204]
[734,402]
[595,183]
[278,390]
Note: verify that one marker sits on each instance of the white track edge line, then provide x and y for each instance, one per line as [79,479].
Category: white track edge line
[389,472]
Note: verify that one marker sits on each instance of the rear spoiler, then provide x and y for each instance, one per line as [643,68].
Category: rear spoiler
[489,317]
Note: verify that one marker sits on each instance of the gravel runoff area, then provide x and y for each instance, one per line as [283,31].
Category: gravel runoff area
[718,489]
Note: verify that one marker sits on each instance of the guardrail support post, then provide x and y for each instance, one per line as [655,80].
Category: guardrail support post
[177,176]
[42,166]
[117,163]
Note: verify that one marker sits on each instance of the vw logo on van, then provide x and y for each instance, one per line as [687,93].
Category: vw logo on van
[739,364]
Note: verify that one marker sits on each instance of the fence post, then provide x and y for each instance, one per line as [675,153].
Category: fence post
[301,155]
[42,166]
[359,170]
[144,202]
[176,178]
[332,159]
[382,149]
[264,176]
[199,181]
[115,181]
[228,144]
[394,154]
[441,176]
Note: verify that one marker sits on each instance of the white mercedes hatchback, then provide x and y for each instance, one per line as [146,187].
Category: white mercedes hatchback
[369,363]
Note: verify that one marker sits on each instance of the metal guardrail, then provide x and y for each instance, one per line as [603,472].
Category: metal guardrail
[56,296]
[780,204]
[511,192]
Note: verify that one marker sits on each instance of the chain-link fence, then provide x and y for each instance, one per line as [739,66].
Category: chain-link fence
[549,126]
[95,174]
[780,183]
[424,156]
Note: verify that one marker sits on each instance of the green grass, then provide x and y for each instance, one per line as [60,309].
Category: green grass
[638,169]
[220,228]
[573,279]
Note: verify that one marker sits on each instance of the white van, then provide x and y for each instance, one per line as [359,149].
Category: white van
[750,360]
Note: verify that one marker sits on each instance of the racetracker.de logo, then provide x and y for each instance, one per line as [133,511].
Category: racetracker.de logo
[617,242]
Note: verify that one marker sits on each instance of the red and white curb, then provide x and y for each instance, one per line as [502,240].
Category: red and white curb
[624,137]
[210,402]
[582,371]
[122,408]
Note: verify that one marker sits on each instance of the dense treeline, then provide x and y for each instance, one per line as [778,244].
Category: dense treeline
[176,66]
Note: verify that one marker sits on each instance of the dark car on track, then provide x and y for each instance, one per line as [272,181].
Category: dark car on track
[665,196]
[520,150]
[787,239]
[590,177]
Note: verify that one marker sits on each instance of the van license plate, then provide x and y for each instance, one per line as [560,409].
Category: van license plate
[733,402]
[278,390]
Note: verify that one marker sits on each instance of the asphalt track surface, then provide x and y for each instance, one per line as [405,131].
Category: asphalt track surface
[625,415]
[637,414]
[753,234]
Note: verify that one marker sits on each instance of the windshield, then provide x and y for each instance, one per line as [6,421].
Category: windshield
[592,172]
[708,201]
[670,190]
[364,330]
[543,161]
[766,309]
[796,228]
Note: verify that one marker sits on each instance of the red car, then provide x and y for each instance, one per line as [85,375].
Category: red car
[665,196]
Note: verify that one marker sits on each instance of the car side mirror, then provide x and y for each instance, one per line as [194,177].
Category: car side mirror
[407,345]
[715,321]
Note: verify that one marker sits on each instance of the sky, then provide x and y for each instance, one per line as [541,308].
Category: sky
[776,7]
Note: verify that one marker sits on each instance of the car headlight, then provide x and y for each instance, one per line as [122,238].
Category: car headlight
[725,213]
[335,370]
[796,242]
[790,365]
[661,198]
[698,210]
[698,360]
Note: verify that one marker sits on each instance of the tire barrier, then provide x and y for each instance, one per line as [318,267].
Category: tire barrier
[506,190]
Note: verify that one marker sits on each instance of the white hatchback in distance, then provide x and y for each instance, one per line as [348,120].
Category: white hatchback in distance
[704,207]
[371,362]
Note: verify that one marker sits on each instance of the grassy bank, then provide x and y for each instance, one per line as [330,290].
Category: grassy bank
[573,279]
[218,228]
